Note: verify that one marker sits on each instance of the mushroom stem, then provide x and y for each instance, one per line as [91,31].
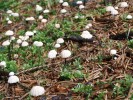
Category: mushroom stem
[9,50]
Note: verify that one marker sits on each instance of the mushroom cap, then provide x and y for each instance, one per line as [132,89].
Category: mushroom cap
[37,91]
[29,33]
[46,11]
[6,43]
[129,17]
[19,41]
[9,11]
[57,45]
[44,20]
[60,40]
[113,52]
[11,74]
[30,19]
[38,44]
[24,44]
[9,33]
[13,79]
[52,54]
[86,35]
[61,1]
[63,11]
[39,8]
[81,7]
[109,8]
[65,53]
[3,64]
[15,14]
[65,4]
[79,2]
[123,4]
[114,12]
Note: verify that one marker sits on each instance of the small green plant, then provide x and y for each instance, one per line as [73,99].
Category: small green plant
[100,96]
[66,74]
[130,43]
[78,74]
[82,88]
[11,66]
[77,63]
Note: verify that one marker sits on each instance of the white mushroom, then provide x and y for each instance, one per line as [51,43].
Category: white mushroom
[39,8]
[52,54]
[13,79]
[37,91]
[24,44]
[129,17]
[86,35]
[113,52]
[9,33]
[60,40]
[3,64]
[65,53]
[6,43]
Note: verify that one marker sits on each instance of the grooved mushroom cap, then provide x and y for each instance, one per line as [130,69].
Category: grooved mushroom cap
[37,91]
[3,64]
[86,35]
[39,8]
[13,79]
[11,73]
[123,4]
[52,54]
[65,53]
[6,43]
[60,40]
[113,52]
[9,33]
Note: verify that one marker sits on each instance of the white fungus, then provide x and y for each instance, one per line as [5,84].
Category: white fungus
[6,43]
[63,11]
[39,8]
[15,14]
[129,17]
[65,53]
[9,11]
[9,22]
[52,54]
[57,26]
[37,91]
[19,41]
[57,45]
[114,12]
[9,33]
[61,1]
[40,17]
[60,40]
[29,33]
[79,2]
[13,79]
[38,44]
[113,52]
[11,73]
[86,35]
[46,11]
[30,19]
[109,8]
[44,20]
[81,7]
[65,4]
[24,44]
[123,4]
[3,64]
